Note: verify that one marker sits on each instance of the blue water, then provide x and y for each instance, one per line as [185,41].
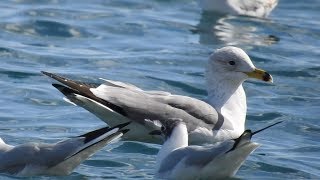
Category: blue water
[161,45]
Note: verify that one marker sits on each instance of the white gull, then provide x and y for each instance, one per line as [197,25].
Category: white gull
[221,117]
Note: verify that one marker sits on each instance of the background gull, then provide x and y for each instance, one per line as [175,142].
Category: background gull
[55,159]
[177,160]
[221,117]
[258,8]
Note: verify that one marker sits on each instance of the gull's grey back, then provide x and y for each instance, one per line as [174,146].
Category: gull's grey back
[195,155]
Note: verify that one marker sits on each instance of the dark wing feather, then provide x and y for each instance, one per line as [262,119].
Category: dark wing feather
[84,90]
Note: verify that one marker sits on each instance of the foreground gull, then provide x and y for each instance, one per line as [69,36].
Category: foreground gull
[257,8]
[221,117]
[177,160]
[55,159]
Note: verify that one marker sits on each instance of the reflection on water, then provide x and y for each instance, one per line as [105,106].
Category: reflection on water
[43,28]
[234,30]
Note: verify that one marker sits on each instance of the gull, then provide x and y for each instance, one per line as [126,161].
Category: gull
[177,160]
[220,117]
[60,158]
[257,8]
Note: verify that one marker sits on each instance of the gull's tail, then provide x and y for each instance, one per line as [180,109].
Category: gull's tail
[104,134]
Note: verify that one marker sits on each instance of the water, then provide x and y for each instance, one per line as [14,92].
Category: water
[160,45]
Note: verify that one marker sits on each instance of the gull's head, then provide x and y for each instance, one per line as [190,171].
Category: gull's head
[234,64]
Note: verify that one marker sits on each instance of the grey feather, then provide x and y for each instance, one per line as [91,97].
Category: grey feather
[55,159]
[195,155]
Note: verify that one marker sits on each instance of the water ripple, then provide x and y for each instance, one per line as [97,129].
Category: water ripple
[159,45]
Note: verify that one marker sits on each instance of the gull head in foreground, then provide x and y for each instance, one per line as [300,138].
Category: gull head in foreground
[32,159]
[177,160]
[220,117]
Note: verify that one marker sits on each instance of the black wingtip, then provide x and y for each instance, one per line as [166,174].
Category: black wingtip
[257,131]
[96,133]
[93,134]
[125,131]
[84,90]
[90,136]
[58,86]
[47,73]
[61,79]
[247,135]
[65,90]
[121,125]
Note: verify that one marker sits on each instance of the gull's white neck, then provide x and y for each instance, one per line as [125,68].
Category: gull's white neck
[227,96]
[177,139]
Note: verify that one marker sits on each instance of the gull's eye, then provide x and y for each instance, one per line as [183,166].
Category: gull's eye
[163,128]
[232,63]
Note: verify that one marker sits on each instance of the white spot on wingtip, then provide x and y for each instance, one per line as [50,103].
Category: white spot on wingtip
[68,101]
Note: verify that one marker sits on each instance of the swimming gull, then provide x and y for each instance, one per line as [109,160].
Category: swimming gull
[257,8]
[60,158]
[177,160]
[221,117]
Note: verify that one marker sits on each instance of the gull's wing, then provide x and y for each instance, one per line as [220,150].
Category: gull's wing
[56,159]
[120,84]
[139,106]
[91,143]
[131,87]
[130,102]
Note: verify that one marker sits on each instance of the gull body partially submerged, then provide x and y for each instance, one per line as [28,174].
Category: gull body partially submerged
[177,160]
[221,117]
[61,158]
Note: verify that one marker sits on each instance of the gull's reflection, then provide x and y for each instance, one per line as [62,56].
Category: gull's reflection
[234,30]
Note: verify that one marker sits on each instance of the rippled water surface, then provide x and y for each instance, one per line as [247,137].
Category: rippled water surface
[161,45]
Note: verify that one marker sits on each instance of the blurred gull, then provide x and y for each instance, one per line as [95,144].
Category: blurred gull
[177,160]
[55,159]
[221,117]
[257,8]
